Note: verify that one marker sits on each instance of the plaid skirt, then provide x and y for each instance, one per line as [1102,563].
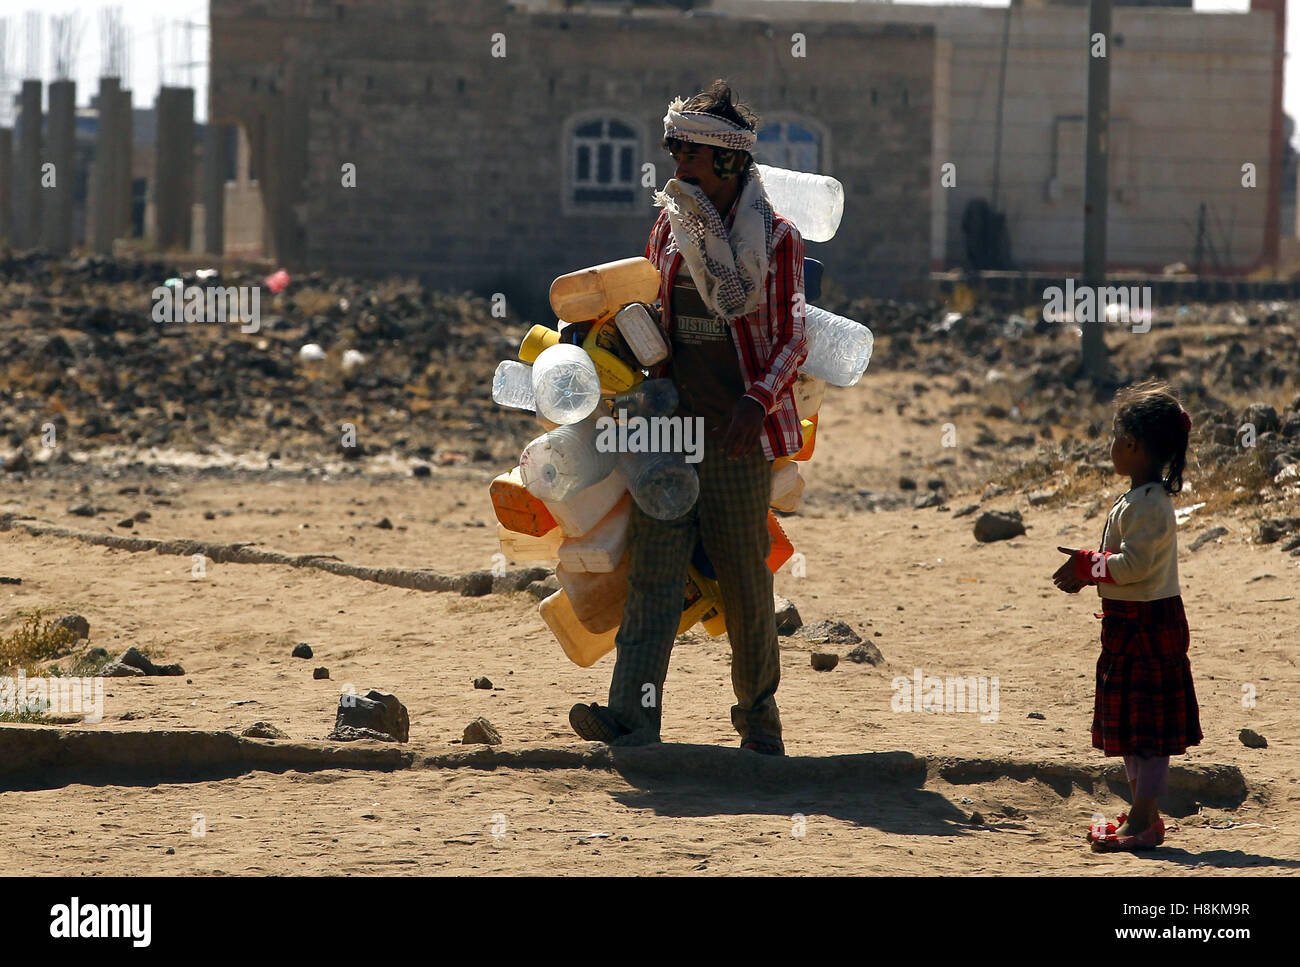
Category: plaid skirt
[1146,703]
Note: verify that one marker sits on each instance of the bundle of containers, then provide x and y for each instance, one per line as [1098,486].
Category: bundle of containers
[569,501]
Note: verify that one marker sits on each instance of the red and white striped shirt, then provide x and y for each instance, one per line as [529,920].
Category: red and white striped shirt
[769,341]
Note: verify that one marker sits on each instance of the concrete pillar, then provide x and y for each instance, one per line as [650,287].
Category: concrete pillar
[216,159]
[27,173]
[174,171]
[6,185]
[60,136]
[126,151]
[105,176]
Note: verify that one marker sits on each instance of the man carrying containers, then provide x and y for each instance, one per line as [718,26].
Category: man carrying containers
[731,304]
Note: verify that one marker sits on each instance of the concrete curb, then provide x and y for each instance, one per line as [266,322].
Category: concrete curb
[36,757]
[415,579]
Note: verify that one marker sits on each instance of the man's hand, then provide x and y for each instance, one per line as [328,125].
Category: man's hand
[746,424]
[1065,578]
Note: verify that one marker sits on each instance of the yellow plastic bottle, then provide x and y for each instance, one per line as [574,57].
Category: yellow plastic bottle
[702,596]
[616,363]
[604,289]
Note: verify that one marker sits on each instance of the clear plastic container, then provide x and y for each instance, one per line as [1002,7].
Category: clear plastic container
[585,509]
[582,647]
[604,289]
[564,461]
[839,349]
[601,548]
[565,384]
[512,385]
[642,333]
[648,399]
[521,548]
[815,203]
[663,485]
[596,596]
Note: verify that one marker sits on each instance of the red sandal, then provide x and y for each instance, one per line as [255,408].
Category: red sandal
[1149,838]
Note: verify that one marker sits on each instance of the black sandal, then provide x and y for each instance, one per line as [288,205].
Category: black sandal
[595,724]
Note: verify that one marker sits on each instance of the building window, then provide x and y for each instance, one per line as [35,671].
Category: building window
[789,144]
[603,166]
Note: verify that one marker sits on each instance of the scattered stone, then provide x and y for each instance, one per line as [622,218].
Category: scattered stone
[74,623]
[421,470]
[375,711]
[787,616]
[209,515]
[830,632]
[1252,739]
[135,659]
[141,516]
[1291,543]
[320,673]
[481,732]
[1211,534]
[350,733]
[1263,416]
[998,525]
[976,819]
[82,510]
[1039,497]
[483,682]
[17,463]
[385,524]
[263,730]
[128,523]
[1273,529]
[115,669]
[966,511]
[170,851]
[923,501]
[1038,715]
[302,650]
[906,483]
[867,653]
[824,661]
[6,580]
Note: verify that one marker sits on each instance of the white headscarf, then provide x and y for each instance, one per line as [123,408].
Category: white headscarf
[729,269]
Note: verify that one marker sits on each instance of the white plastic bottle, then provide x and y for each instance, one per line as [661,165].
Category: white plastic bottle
[563,461]
[512,385]
[815,203]
[565,384]
[839,349]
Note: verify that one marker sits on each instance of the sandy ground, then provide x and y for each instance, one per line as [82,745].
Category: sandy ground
[913,581]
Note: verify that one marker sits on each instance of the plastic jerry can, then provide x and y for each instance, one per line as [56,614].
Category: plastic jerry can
[715,622]
[616,364]
[787,488]
[585,509]
[604,289]
[525,547]
[596,599]
[537,339]
[700,598]
[600,549]
[809,391]
[643,335]
[582,647]
[809,427]
[782,550]
[516,508]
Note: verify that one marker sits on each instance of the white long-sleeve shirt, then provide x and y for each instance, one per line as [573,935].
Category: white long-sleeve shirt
[1140,547]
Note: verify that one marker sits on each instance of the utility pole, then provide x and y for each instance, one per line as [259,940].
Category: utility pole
[1096,178]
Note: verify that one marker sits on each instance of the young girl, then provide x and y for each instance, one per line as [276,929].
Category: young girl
[1145,708]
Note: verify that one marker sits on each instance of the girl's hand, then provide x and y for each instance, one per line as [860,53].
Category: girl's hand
[1065,578]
